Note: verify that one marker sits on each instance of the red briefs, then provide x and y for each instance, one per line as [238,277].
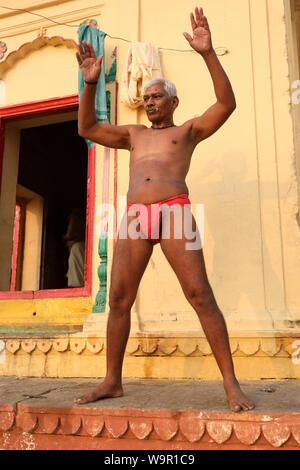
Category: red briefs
[149,215]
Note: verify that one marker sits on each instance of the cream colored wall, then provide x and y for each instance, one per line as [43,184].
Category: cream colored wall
[293,46]
[44,73]
[244,175]
[223,174]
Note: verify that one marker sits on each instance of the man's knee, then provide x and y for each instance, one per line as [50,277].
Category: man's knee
[201,298]
[120,300]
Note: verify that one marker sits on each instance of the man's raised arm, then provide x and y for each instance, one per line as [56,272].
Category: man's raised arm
[88,127]
[218,113]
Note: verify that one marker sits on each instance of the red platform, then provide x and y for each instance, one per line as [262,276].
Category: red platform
[40,424]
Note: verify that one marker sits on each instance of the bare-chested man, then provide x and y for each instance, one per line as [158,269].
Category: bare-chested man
[159,162]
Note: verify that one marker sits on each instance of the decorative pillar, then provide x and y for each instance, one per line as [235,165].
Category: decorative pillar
[100,301]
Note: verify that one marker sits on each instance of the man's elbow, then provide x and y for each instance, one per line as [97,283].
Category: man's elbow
[231,106]
[230,109]
[84,132]
[89,130]
[81,132]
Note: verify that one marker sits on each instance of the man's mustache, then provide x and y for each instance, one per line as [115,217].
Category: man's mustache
[151,108]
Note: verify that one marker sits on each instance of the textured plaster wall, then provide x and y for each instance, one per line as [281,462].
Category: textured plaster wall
[244,175]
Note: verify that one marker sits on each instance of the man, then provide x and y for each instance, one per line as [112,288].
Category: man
[159,162]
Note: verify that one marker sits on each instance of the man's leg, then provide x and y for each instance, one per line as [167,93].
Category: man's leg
[129,263]
[189,266]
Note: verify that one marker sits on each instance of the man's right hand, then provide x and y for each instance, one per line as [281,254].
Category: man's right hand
[89,64]
[104,133]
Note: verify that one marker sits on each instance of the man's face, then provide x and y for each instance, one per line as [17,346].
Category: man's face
[157,104]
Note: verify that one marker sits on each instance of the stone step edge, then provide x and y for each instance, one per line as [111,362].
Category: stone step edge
[189,426]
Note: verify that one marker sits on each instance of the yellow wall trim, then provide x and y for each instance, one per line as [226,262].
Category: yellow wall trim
[35,23]
[181,358]
[281,346]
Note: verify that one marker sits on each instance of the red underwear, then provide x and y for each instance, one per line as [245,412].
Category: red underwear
[149,215]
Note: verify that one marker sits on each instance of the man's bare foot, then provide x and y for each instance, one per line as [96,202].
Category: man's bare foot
[237,400]
[103,390]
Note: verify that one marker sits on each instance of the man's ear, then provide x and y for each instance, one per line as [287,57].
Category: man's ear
[175,101]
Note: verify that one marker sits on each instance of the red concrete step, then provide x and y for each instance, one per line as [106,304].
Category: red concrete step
[40,414]
[48,428]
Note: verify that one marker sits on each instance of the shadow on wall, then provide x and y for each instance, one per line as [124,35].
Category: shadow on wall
[232,205]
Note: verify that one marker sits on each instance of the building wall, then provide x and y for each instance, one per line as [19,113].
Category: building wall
[245,175]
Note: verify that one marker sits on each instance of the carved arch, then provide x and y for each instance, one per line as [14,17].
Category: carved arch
[36,44]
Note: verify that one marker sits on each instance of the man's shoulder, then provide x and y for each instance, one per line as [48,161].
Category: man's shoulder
[185,127]
[188,124]
[135,129]
[137,126]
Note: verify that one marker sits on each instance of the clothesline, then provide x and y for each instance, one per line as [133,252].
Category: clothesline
[77,26]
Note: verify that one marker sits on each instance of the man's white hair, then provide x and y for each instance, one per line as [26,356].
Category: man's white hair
[169,87]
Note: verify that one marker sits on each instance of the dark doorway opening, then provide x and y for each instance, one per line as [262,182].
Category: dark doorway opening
[53,163]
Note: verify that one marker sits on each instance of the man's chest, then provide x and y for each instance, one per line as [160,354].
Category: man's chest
[160,141]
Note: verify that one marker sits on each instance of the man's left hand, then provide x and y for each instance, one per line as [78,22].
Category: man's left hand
[201,40]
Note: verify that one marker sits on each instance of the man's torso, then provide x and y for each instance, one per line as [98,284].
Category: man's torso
[159,162]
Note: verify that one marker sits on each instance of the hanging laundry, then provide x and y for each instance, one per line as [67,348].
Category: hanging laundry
[96,38]
[142,65]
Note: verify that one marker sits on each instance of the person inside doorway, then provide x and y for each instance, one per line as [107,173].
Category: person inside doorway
[75,239]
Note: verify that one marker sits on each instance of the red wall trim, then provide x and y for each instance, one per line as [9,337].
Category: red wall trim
[35,108]
[46,107]
[20,294]
[116,173]
[16,247]
[91,191]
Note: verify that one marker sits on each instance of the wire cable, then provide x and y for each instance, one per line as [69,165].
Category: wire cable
[77,26]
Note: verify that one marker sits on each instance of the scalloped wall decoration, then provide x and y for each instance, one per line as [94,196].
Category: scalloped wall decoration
[94,428]
[95,346]
[151,346]
[28,345]
[35,45]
